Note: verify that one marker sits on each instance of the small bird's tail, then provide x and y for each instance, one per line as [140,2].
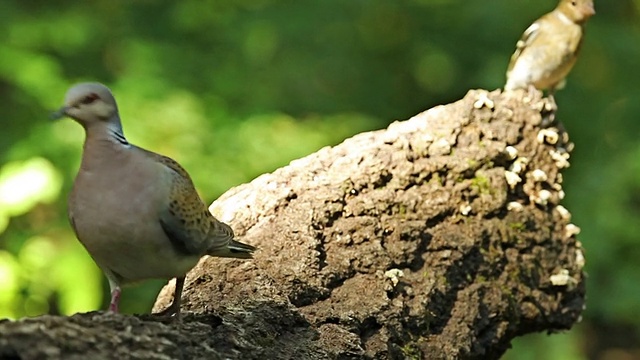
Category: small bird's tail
[235,249]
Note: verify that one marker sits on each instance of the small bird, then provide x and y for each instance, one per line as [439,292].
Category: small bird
[549,48]
[137,212]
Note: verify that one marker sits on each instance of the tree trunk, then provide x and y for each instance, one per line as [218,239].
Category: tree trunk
[440,237]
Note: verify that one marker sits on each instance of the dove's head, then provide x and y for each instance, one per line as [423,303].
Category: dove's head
[577,11]
[89,103]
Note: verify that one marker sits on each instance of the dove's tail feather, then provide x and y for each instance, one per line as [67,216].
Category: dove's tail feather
[235,249]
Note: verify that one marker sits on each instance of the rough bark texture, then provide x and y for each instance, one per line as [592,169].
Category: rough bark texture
[414,242]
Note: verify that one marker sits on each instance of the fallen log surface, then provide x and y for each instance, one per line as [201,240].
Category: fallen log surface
[440,237]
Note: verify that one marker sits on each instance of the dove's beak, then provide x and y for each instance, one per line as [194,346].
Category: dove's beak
[59,114]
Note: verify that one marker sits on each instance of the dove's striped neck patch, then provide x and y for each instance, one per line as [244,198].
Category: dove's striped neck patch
[115,130]
[120,138]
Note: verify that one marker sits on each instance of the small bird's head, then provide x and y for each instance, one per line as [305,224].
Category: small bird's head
[578,11]
[88,103]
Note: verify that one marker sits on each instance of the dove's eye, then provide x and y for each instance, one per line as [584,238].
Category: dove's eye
[90,98]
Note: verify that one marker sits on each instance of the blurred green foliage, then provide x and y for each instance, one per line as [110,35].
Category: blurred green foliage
[235,88]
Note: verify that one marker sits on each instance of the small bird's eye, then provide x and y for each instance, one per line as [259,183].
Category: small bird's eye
[90,98]
[574,3]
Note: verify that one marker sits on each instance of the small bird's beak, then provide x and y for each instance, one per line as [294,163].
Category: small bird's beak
[589,10]
[60,113]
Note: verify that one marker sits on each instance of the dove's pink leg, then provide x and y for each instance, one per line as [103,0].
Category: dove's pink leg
[115,299]
[115,293]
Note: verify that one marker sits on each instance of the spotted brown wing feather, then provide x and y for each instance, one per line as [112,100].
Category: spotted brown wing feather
[189,224]
[186,220]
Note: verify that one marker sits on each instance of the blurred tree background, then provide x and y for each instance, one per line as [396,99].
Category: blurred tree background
[235,88]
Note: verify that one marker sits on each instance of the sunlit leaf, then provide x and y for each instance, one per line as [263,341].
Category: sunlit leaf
[24,184]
